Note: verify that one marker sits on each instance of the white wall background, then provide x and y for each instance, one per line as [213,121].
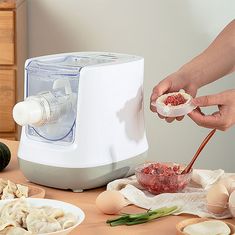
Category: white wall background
[167,33]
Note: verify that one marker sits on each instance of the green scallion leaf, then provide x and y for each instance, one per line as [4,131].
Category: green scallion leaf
[132,219]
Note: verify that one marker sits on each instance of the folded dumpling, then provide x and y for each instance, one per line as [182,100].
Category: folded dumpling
[11,187]
[21,191]
[15,231]
[67,221]
[38,221]
[6,223]
[52,212]
[9,191]
[16,211]
[3,184]
[6,194]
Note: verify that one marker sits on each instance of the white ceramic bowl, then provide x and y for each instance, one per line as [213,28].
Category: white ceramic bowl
[66,207]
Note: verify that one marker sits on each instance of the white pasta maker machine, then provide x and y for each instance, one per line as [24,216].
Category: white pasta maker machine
[82,118]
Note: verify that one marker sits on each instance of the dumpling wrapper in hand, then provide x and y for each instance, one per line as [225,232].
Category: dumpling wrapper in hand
[213,227]
[168,110]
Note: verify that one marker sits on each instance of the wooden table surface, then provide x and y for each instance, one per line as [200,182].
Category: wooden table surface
[94,223]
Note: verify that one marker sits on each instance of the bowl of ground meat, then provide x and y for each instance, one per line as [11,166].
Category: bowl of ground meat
[162,177]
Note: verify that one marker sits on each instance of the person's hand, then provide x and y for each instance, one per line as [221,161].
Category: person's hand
[172,83]
[223,118]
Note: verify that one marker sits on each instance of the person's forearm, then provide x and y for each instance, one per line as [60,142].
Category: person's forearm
[215,62]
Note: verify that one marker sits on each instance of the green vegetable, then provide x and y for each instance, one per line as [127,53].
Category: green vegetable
[5,156]
[132,219]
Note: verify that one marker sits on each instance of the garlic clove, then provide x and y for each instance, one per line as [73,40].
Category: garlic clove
[229,183]
[217,198]
[231,203]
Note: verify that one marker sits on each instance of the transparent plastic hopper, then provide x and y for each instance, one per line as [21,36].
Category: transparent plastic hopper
[49,109]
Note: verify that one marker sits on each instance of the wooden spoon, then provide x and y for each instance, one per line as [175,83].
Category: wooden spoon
[201,147]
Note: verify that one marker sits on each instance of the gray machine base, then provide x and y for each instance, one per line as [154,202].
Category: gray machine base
[78,179]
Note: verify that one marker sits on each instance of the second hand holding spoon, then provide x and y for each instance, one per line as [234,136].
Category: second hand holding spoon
[201,147]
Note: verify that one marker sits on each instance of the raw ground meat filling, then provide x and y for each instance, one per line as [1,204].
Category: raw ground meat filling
[164,178]
[175,100]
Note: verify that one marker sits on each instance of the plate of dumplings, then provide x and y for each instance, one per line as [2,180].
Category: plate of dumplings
[11,190]
[31,216]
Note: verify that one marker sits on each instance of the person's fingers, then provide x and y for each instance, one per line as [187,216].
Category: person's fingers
[209,121]
[208,100]
[200,111]
[153,108]
[179,118]
[169,119]
[160,89]
[160,116]
[153,97]
[191,90]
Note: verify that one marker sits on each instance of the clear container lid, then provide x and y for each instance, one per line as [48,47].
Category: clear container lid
[69,64]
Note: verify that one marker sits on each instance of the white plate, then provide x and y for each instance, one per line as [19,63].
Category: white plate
[66,207]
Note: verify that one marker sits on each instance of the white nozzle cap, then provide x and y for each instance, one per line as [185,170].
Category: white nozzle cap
[27,112]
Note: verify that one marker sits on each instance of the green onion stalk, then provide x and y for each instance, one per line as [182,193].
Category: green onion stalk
[140,218]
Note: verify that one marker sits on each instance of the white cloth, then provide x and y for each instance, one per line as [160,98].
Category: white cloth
[192,200]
